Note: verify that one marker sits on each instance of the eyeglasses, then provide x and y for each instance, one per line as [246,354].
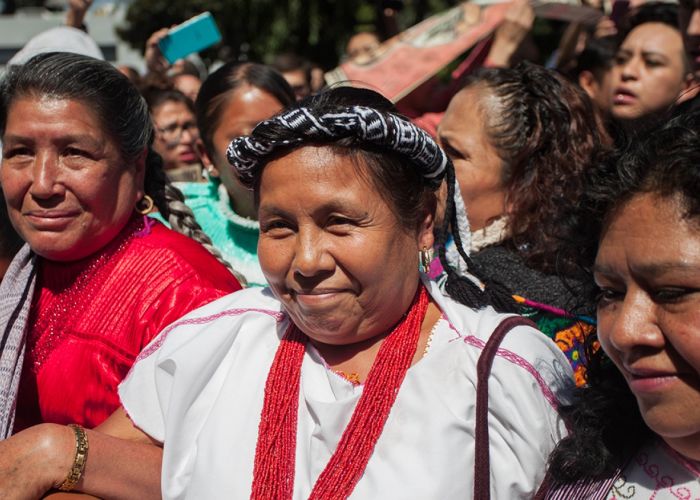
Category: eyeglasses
[173,132]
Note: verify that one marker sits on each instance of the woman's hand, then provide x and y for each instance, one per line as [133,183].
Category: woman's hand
[605,28]
[75,16]
[511,33]
[35,460]
[155,62]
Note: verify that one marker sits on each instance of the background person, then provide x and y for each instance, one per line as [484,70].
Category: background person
[186,78]
[232,101]
[593,72]
[689,24]
[651,72]
[362,45]
[97,279]
[296,70]
[521,140]
[176,134]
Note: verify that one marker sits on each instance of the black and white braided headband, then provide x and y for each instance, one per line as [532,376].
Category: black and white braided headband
[393,133]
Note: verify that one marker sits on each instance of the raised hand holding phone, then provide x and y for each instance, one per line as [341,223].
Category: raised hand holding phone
[194,35]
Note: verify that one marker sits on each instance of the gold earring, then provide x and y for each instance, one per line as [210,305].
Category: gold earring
[426,256]
[145,205]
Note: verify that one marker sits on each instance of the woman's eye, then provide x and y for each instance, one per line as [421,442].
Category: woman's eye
[73,151]
[338,220]
[16,151]
[653,63]
[671,295]
[621,59]
[452,152]
[608,295]
[274,225]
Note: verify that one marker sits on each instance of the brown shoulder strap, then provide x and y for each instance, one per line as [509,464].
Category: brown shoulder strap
[482,466]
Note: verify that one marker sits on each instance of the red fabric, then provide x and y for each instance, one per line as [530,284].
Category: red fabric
[91,318]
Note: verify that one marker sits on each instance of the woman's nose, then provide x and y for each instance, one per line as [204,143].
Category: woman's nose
[311,257]
[635,324]
[189,135]
[630,70]
[45,173]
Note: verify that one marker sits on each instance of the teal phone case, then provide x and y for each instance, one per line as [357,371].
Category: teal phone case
[191,36]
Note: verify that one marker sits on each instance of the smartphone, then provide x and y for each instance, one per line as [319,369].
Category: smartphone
[191,36]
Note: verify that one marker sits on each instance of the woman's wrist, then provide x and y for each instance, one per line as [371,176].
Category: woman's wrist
[35,460]
[56,452]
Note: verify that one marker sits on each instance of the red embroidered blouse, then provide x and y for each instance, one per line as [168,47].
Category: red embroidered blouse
[91,318]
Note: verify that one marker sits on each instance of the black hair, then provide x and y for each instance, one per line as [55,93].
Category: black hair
[216,89]
[606,425]
[596,57]
[652,12]
[122,111]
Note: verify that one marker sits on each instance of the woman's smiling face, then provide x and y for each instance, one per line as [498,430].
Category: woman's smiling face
[68,189]
[648,268]
[332,249]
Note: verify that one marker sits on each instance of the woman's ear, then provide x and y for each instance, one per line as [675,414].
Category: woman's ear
[140,173]
[587,81]
[691,88]
[426,238]
[205,158]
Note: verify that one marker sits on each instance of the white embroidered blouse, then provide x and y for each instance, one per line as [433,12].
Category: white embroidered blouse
[199,388]
[658,473]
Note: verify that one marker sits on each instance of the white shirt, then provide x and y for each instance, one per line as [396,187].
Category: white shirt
[660,473]
[199,388]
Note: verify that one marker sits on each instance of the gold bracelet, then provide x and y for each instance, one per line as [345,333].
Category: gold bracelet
[81,453]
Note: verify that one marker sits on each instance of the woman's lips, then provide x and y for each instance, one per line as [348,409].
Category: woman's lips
[644,380]
[317,298]
[188,157]
[50,220]
[623,96]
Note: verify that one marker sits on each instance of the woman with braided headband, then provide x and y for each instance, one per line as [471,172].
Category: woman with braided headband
[352,375]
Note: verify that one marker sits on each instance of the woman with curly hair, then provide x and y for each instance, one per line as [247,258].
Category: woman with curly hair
[635,427]
[521,139]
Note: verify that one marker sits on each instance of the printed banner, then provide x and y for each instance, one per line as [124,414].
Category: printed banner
[410,58]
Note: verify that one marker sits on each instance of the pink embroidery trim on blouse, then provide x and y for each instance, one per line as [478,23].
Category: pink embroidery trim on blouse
[154,346]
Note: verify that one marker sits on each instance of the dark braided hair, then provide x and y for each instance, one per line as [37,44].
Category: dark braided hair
[462,288]
[605,423]
[123,113]
[402,167]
